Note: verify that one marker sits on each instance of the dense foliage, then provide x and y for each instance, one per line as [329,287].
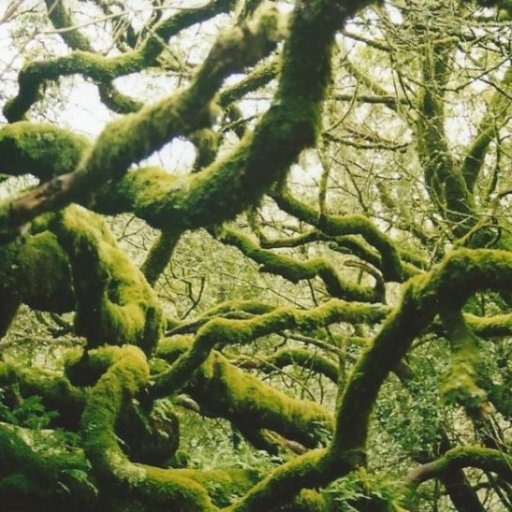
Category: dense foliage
[255,255]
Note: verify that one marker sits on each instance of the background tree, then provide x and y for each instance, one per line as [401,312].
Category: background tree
[255,256]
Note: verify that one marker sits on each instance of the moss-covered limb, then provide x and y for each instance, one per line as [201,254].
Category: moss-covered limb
[207,143]
[310,236]
[461,457]
[423,296]
[114,303]
[61,19]
[311,501]
[159,255]
[261,75]
[136,136]
[295,270]
[412,263]
[388,100]
[334,225]
[260,160]
[461,383]
[314,469]
[254,307]
[490,326]
[222,390]
[444,179]
[293,356]
[269,441]
[496,114]
[388,347]
[222,331]
[222,485]
[260,439]
[147,437]
[104,69]
[258,77]
[42,150]
[127,375]
[249,403]
[116,101]
[351,244]
[34,270]
[240,179]
[191,326]
[230,309]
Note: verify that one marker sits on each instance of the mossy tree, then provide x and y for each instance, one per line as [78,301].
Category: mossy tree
[323,289]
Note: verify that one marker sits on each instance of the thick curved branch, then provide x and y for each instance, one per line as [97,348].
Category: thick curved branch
[43,150]
[495,116]
[223,390]
[159,255]
[22,281]
[221,332]
[292,357]
[104,69]
[461,457]
[444,179]
[421,301]
[125,378]
[114,303]
[136,136]
[334,225]
[295,270]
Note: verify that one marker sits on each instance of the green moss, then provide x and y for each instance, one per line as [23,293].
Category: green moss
[294,356]
[139,191]
[207,143]
[343,226]
[486,459]
[295,270]
[124,379]
[460,386]
[239,179]
[222,485]
[114,303]
[43,150]
[223,331]
[314,469]
[127,374]
[34,270]
[61,18]
[250,403]
[171,348]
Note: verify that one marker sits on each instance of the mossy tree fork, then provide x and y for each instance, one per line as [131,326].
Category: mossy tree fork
[133,355]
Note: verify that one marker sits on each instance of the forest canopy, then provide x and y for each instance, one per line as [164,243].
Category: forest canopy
[255,255]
